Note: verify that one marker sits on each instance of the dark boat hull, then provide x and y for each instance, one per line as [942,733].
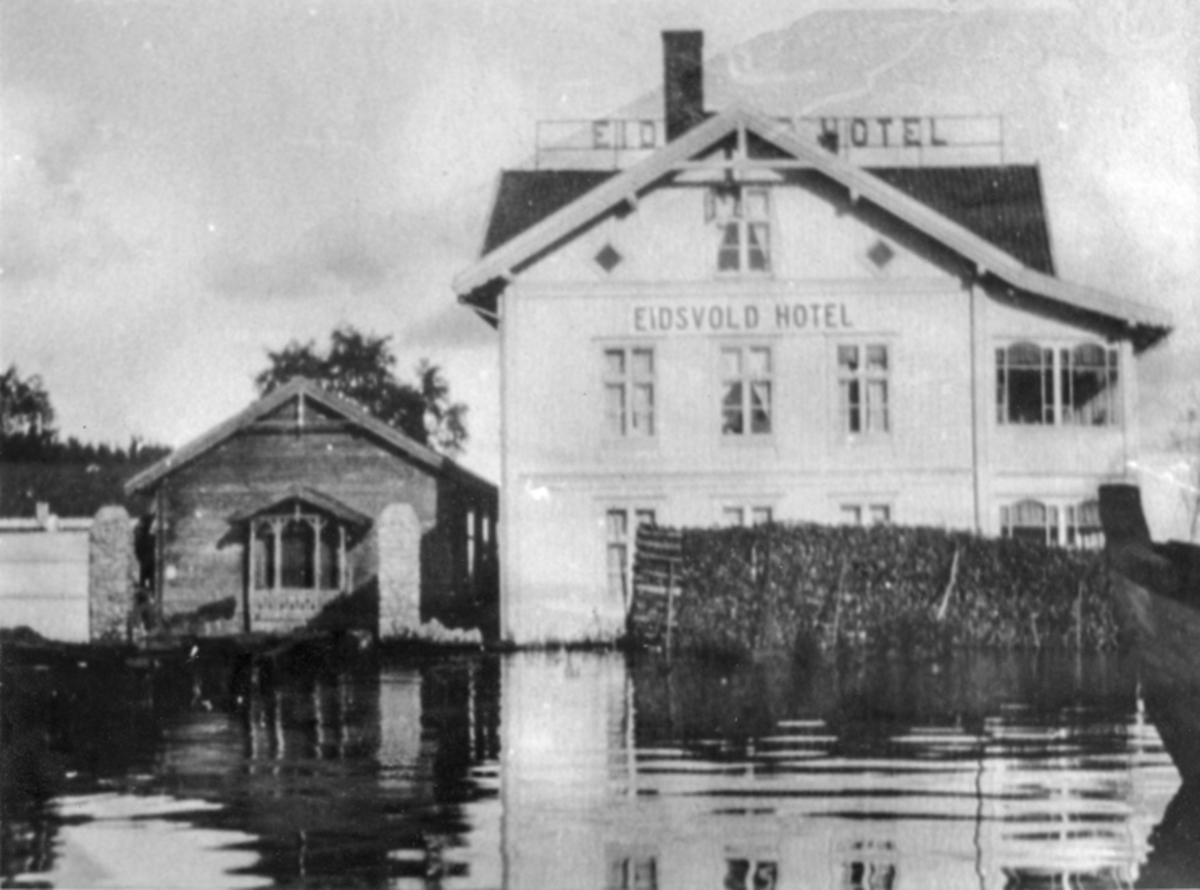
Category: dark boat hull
[1166,640]
[1151,591]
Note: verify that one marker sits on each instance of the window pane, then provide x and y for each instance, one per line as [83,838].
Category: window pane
[760,407]
[760,361]
[618,523]
[614,362]
[330,578]
[851,514]
[880,513]
[1088,385]
[614,409]
[644,517]
[847,358]
[1028,355]
[297,557]
[724,202]
[732,515]
[732,409]
[760,515]
[877,406]
[731,363]
[851,407]
[642,422]
[728,259]
[759,247]
[877,358]
[642,361]
[1025,396]
[264,557]
[1029,513]
[756,203]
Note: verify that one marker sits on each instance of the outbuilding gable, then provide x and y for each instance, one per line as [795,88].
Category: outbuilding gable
[302,405]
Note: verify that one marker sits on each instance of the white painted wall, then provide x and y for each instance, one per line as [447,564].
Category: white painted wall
[44,579]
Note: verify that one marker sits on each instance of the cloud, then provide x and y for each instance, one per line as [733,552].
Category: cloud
[354,252]
[455,326]
[50,221]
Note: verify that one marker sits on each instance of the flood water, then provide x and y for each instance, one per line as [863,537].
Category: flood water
[564,770]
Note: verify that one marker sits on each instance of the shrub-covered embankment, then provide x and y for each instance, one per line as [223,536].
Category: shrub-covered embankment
[779,585]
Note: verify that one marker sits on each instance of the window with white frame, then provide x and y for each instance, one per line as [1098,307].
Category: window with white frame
[746,514]
[621,525]
[1088,377]
[1076,386]
[1083,526]
[863,384]
[629,392]
[1030,520]
[868,513]
[305,551]
[746,384]
[742,216]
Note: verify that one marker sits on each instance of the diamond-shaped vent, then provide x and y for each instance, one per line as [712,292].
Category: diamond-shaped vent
[880,254]
[608,258]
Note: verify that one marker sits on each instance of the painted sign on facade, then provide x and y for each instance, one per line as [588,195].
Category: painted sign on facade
[732,318]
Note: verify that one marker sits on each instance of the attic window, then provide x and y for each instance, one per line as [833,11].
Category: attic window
[743,221]
[608,258]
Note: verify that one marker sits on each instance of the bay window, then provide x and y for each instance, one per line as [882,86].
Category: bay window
[1077,386]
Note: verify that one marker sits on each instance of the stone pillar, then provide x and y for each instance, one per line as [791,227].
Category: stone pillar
[112,575]
[398,538]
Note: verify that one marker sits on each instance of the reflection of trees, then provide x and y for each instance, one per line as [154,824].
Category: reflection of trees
[65,721]
[343,772]
[355,774]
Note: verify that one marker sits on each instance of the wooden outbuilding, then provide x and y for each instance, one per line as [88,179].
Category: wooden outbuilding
[304,511]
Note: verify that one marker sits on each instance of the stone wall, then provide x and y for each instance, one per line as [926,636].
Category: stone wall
[112,575]
[397,540]
[398,544]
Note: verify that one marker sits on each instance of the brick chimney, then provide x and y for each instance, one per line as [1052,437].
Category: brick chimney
[683,80]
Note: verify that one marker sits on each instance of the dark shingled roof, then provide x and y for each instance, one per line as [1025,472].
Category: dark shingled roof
[1002,204]
[527,197]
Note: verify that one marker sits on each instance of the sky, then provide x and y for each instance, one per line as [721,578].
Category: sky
[186,185]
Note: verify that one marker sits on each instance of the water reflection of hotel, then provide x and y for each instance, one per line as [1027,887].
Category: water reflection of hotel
[584,808]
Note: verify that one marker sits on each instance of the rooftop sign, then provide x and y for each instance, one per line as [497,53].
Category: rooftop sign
[878,140]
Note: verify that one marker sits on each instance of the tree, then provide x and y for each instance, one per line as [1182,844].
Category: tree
[359,367]
[26,416]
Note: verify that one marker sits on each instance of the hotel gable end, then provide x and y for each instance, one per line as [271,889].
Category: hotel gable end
[736,322]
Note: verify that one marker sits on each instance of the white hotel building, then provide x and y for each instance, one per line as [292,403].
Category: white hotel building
[734,318]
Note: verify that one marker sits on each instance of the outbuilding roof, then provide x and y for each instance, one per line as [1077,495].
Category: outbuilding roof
[306,495]
[302,388]
[993,219]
